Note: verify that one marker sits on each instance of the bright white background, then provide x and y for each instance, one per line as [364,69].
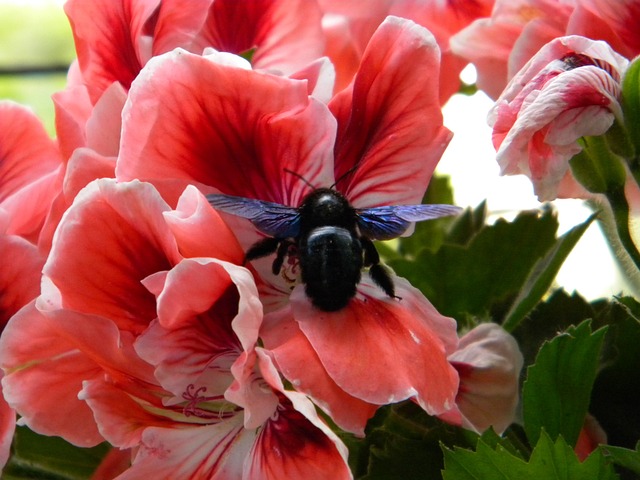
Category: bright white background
[470,161]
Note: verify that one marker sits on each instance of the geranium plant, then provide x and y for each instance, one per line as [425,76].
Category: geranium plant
[139,341]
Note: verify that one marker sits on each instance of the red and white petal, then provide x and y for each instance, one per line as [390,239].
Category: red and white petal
[299,364]
[113,236]
[43,375]
[84,166]
[383,350]
[191,119]
[199,230]
[294,443]
[209,313]
[19,277]
[121,417]
[389,121]
[108,39]
[215,452]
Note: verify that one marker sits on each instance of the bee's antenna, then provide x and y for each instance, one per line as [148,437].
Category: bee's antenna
[296,174]
[345,174]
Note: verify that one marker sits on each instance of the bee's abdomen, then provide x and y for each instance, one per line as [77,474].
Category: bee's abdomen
[331,263]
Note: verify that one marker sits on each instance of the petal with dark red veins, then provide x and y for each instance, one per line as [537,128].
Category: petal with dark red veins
[113,236]
[211,122]
[390,128]
[286,34]
[108,40]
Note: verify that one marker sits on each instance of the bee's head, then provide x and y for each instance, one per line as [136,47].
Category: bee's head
[325,206]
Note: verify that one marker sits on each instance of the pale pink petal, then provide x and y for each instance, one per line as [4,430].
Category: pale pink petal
[402,346]
[199,230]
[113,236]
[299,364]
[107,39]
[488,361]
[320,76]
[250,391]
[43,375]
[488,47]
[286,34]
[192,120]
[214,452]
[389,122]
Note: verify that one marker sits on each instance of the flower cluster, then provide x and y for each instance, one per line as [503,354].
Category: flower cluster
[129,313]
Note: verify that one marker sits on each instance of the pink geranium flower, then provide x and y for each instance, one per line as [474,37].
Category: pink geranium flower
[144,332]
[501,45]
[115,40]
[213,122]
[349,25]
[568,90]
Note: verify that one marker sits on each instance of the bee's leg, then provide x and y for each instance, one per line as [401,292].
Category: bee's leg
[262,248]
[379,274]
[283,249]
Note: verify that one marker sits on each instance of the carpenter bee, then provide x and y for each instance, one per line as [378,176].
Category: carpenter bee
[333,240]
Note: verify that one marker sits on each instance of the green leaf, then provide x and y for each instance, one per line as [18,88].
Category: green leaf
[626,458]
[558,387]
[404,442]
[467,225]
[614,400]
[429,234]
[631,101]
[631,305]
[542,275]
[39,456]
[549,461]
[468,280]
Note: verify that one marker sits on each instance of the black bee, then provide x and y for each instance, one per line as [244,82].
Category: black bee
[332,239]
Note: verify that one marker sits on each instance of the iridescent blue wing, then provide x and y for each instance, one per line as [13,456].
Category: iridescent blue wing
[385,223]
[271,218]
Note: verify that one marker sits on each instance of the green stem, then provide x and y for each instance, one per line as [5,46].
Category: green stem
[620,208]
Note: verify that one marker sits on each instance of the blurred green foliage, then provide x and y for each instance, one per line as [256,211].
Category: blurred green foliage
[34,34]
